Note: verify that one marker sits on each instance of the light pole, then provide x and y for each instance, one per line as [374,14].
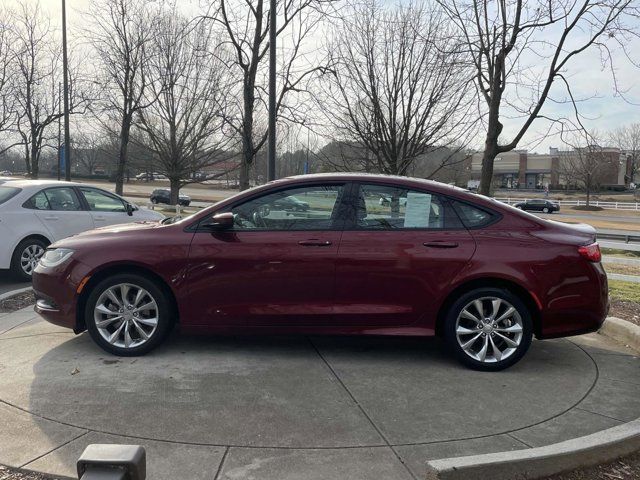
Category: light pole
[271,152]
[65,74]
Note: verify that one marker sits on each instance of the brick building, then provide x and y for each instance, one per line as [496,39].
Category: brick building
[521,169]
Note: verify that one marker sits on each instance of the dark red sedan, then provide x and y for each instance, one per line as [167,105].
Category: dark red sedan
[371,255]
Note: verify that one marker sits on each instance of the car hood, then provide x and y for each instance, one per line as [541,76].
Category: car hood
[122,231]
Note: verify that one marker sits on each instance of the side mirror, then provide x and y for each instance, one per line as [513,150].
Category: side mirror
[221,221]
[129,208]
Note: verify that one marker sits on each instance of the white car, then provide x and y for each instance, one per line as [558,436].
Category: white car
[36,213]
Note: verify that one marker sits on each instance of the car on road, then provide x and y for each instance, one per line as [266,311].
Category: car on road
[5,173]
[438,261]
[290,204]
[539,205]
[149,177]
[37,213]
[163,195]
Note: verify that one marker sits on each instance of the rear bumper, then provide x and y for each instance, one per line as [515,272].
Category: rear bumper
[579,307]
[56,293]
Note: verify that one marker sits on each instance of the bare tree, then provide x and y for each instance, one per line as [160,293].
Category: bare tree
[121,35]
[7,64]
[245,26]
[627,138]
[88,149]
[398,85]
[521,48]
[183,127]
[36,83]
[585,165]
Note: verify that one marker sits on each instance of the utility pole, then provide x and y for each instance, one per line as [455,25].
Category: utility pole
[59,127]
[271,152]
[65,74]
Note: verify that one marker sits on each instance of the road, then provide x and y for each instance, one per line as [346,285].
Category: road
[8,283]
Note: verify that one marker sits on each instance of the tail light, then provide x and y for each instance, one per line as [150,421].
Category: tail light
[591,252]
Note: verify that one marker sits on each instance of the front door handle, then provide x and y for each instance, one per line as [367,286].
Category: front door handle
[51,218]
[314,243]
[440,244]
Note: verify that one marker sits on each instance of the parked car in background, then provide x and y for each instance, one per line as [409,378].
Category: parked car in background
[163,195]
[149,177]
[36,213]
[539,205]
[440,264]
[5,173]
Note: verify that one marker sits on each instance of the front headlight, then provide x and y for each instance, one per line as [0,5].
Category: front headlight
[55,257]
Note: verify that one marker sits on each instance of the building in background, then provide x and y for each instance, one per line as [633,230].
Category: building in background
[524,170]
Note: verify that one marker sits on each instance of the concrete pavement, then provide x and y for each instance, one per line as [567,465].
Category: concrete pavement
[296,407]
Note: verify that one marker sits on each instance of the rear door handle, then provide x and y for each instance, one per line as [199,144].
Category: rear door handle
[314,243]
[51,218]
[438,244]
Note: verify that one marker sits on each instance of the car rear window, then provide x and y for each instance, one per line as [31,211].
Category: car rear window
[472,216]
[7,192]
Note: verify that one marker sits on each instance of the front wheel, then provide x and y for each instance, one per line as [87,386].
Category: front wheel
[25,258]
[128,315]
[489,329]
[545,210]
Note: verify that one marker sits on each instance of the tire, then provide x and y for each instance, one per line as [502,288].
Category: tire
[154,201]
[27,250]
[471,355]
[162,312]
[545,210]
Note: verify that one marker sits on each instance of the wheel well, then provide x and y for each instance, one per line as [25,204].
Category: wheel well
[35,236]
[513,287]
[119,269]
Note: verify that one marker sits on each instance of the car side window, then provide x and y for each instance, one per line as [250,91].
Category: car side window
[39,201]
[63,199]
[472,217]
[302,208]
[101,201]
[382,207]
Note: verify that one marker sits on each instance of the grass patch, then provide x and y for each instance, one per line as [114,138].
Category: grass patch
[628,291]
[616,252]
[590,208]
[622,269]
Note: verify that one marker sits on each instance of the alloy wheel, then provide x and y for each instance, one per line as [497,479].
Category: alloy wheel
[489,329]
[30,257]
[126,315]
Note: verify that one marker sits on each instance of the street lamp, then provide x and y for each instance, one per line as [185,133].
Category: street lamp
[271,152]
[65,74]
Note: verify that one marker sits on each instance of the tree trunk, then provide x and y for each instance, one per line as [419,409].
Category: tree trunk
[34,159]
[27,159]
[122,153]
[175,190]
[244,170]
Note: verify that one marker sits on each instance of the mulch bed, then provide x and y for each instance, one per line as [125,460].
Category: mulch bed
[10,474]
[17,302]
[627,468]
[626,310]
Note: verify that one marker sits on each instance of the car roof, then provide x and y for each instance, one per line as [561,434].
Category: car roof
[43,183]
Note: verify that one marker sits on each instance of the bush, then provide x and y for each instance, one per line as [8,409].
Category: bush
[590,208]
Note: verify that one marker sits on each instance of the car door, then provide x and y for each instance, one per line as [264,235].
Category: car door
[61,211]
[105,208]
[275,267]
[397,256]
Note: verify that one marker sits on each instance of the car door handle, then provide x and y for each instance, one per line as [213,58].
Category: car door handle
[51,218]
[99,219]
[439,244]
[314,243]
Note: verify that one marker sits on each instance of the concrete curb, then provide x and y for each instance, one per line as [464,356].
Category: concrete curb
[533,463]
[622,331]
[17,291]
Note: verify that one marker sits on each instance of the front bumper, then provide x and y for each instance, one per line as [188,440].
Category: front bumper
[56,291]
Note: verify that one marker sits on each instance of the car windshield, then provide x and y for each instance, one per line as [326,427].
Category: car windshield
[7,192]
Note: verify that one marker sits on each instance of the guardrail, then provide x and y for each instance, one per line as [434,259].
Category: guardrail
[633,206]
[620,237]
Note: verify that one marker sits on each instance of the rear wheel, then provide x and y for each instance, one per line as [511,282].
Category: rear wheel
[26,256]
[128,315]
[545,210]
[489,329]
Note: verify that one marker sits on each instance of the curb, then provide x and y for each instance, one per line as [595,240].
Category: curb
[622,331]
[533,463]
[17,291]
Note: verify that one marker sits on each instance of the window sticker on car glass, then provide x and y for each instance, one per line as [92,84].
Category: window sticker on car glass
[417,210]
